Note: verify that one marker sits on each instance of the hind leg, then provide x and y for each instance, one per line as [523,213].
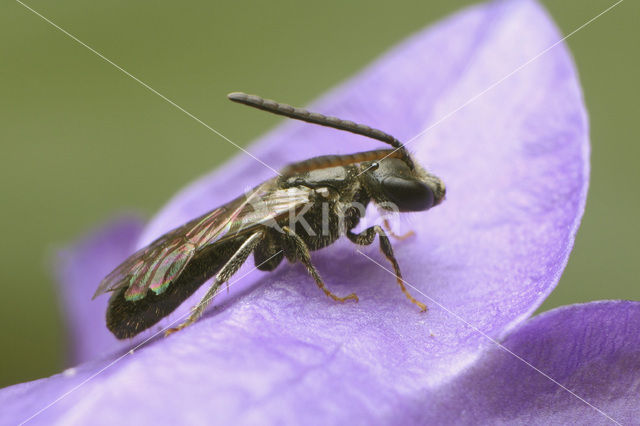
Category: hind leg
[227,271]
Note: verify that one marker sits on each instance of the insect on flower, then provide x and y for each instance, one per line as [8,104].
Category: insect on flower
[308,207]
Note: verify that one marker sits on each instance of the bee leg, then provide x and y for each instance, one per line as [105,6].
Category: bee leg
[231,267]
[302,252]
[404,236]
[366,237]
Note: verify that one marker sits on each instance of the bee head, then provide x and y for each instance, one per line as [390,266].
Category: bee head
[394,185]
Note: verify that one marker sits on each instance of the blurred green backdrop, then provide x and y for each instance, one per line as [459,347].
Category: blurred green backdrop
[81,141]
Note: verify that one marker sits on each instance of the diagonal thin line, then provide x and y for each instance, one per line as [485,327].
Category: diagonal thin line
[492,340]
[146,86]
[498,82]
[94,375]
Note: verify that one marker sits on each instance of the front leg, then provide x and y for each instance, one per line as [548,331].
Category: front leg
[302,254]
[366,237]
[404,236]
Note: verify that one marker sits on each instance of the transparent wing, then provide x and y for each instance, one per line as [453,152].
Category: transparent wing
[160,263]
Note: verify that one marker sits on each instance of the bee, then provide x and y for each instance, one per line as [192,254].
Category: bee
[308,207]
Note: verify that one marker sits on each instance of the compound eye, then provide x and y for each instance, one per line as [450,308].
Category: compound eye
[409,195]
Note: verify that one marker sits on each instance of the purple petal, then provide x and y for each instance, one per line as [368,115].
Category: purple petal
[80,269]
[591,349]
[515,161]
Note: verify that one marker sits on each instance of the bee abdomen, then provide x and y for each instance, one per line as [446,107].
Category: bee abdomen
[127,318]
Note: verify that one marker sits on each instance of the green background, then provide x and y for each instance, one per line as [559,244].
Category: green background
[81,141]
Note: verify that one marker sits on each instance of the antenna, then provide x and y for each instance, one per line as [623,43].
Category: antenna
[323,120]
